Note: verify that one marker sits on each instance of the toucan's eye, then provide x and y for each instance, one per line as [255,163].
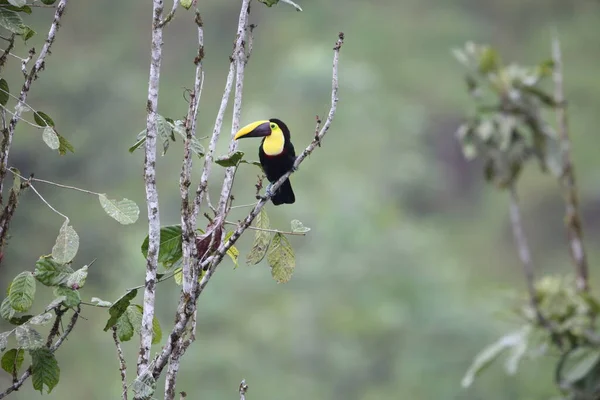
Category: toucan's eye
[273,126]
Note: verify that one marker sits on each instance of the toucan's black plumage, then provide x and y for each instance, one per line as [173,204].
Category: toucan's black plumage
[276,154]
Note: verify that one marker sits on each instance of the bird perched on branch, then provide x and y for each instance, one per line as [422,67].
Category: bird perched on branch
[276,154]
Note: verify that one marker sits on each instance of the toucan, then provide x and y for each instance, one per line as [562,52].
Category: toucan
[276,154]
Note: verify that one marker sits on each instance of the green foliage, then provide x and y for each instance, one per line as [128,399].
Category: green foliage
[41,319]
[72,297]
[166,129]
[67,244]
[298,227]
[50,137]
[507,129]
[144,386]
[232,252]
[515,342]
[131,321]
[230,160]
[22,291]
[169,247]
[51,273]
[42,119]
[186,4]
[262,239]
[281,258]
[77,279]
[100,303]
[123,211]
[579,363]
[4,340]
[12,361]
[65,146]
[11,20]
[44,369]
[119,307]
[28,338]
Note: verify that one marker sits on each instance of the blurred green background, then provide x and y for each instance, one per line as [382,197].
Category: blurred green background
[405,272]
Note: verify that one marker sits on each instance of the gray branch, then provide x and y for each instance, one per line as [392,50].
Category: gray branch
[243,389]
[151,190]
[567,180]
[122,365]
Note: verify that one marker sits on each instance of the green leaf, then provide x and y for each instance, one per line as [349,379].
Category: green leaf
[178,276]
[298,227]
[489,60]
[100,302]
[28,338]
[48,2]
[124,328]
[51,138]
[4,340]
[137,144]
[281,258]
[65,146]
[169,246]
[233,252]
[77,279]
[230,160]
[156,331]
[261,239]
[144,386]
[256,163]
[119,307]
[489,354]
[18,3]
[67,244]
[72,297]
[186,4]
[42,119]
[4,92]
[269,3]
[580,362]
[41,319]
[50,273]
[11,21]
[12,360]
[55,303]
[124,211]
[195,144]
[44,369]
[22,291]
[6,311]
[28,33]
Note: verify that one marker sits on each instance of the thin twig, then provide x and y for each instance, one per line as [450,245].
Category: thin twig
[122,365]
[151,189]
[45,202]
[567,180]
[3,57]
[170,15]
[244,206]
[528,267]
[290,2]
[25,61]
[269,230]
[65,186]
[243,389]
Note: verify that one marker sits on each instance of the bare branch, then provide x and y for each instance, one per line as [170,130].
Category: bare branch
[122,365]
[6,52]
[151,190]
[243,389]
[173,370]
[567,180]
[239,57]
[170,15]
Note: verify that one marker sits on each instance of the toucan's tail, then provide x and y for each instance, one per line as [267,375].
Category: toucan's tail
[284,195]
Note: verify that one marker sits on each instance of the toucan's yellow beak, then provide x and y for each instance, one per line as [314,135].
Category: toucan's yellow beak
[255,129]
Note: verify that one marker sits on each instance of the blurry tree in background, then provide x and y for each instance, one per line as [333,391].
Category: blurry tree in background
[409,252]
[508,129]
